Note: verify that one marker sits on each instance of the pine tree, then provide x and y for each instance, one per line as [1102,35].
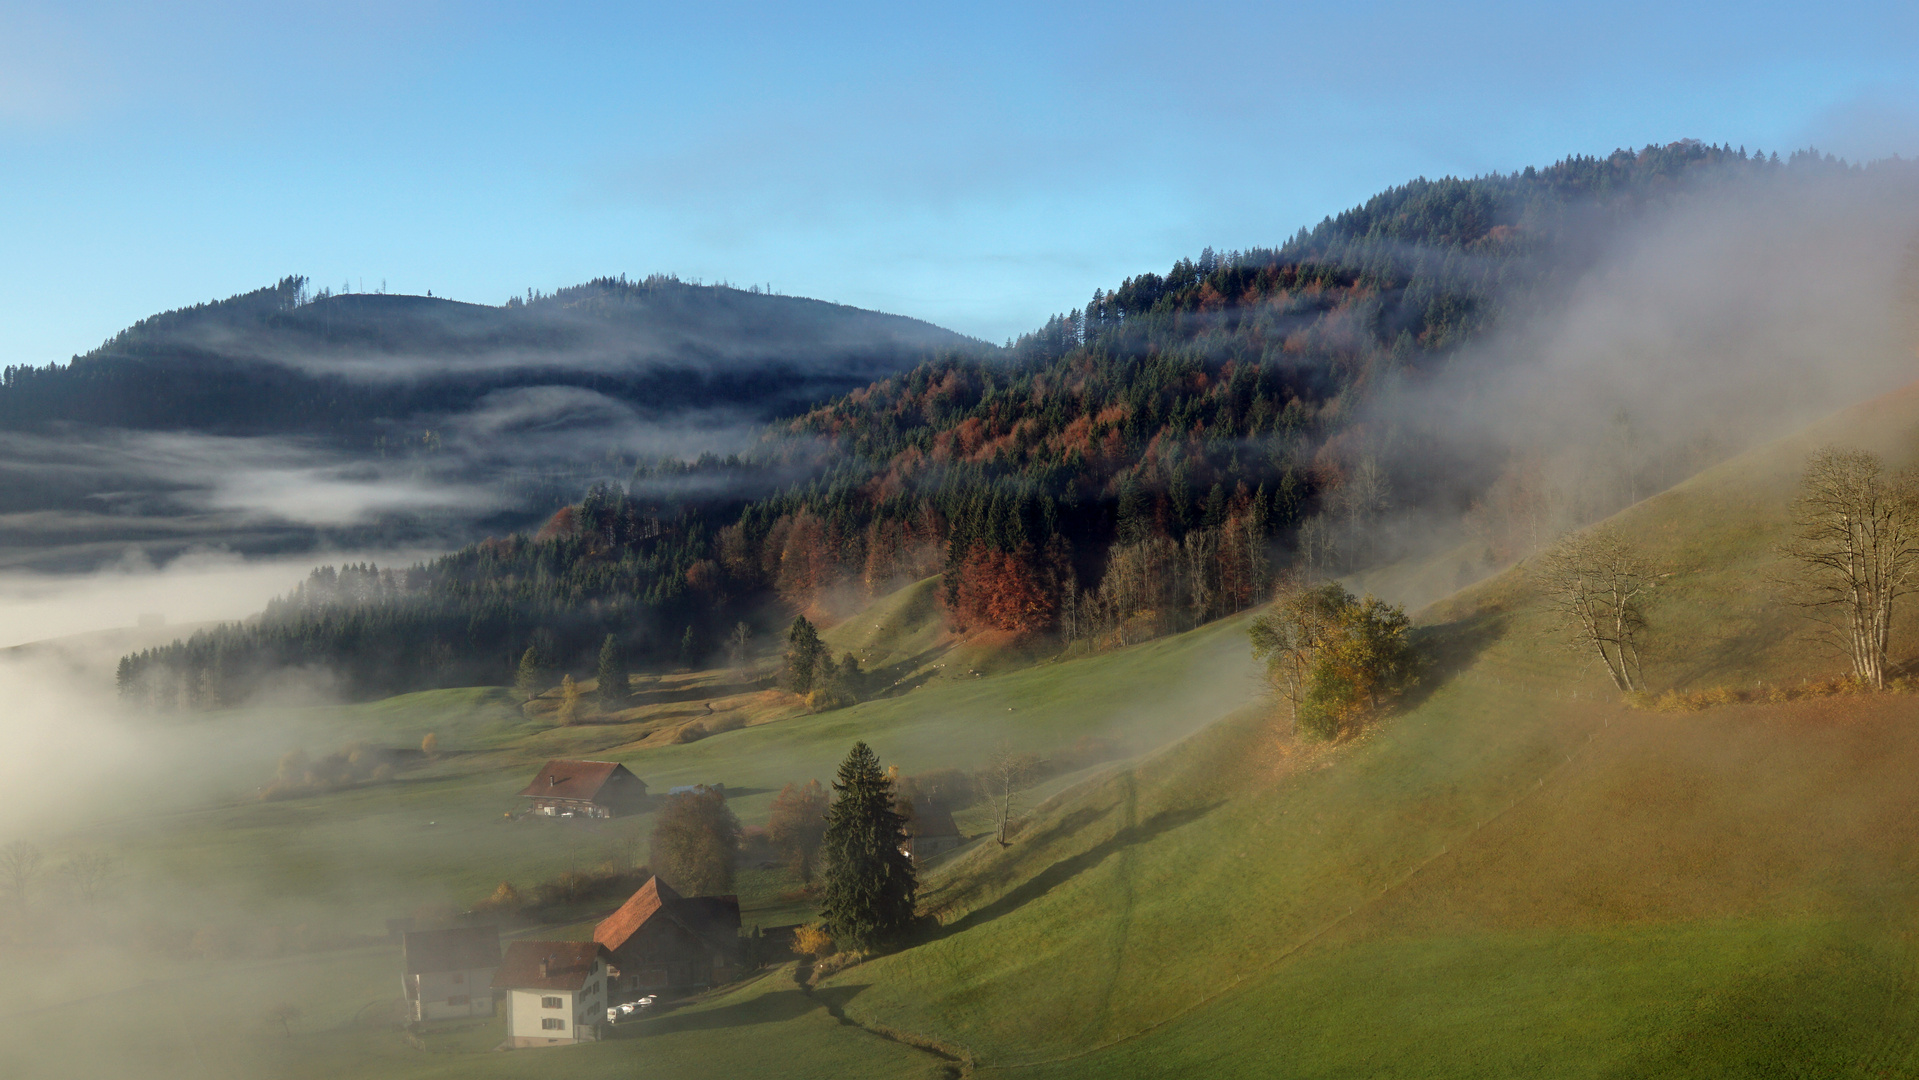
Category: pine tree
[527,682]
[870,885]
[803,652]
[613,678]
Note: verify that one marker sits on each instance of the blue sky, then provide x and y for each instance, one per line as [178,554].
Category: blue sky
[980,165]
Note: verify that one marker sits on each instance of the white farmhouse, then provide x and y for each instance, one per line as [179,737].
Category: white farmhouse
[555,992]
[449,973]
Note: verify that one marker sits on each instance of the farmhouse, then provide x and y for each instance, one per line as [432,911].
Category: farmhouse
[929,832]
[449,972]
[596,789]
[660,940]
[555,992]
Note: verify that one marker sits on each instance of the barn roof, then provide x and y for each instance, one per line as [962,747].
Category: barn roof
[932,819]
[546,965]
[462,948]
[704,915]
[563,779]
[651,898]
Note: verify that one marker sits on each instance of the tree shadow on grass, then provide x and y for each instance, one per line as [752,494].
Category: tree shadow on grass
[1069,868]
[1448,649]
[772,1008]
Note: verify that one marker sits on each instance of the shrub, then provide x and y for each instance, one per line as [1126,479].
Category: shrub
[813,940]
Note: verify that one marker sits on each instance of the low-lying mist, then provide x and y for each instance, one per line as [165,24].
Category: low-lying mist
[1719,323]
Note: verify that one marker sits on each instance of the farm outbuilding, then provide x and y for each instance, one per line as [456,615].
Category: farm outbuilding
[660,940]
[595,789]
[930,831]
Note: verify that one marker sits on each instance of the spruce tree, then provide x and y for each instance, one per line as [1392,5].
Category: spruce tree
[870,885]
[803,652]
[527,682]
[613,679]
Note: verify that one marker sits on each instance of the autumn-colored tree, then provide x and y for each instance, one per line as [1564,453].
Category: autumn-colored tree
[703,576]
[1001,590]
[1364,659]
[696,843]
[813,940]
[1289,635]
[804,561]
[798,825]
[430,745]
[569,711]
[563,523]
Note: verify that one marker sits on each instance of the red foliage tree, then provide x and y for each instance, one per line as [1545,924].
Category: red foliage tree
[1001,590]
[562,523]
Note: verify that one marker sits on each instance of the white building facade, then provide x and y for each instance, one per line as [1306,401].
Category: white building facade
[556,992]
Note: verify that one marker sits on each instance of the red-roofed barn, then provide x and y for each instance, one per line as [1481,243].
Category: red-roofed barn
[597,789]
[660,940]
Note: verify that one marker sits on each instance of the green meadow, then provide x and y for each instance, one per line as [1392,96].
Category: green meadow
[1512,875]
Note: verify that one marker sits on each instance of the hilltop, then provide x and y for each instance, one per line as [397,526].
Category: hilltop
[1134,468]
[352,367]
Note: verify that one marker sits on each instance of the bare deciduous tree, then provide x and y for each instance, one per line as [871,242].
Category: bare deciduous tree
[1595,584]
[20,864]
[284,1014]
[736,643]
[89,875]
[1008,773]
[1857,550]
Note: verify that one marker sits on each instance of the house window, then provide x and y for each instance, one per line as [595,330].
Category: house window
[459,999]
[552,1024]
[552,1003]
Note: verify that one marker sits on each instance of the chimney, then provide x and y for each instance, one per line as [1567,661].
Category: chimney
[544,962]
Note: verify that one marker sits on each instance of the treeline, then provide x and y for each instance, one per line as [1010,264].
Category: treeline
[1133,467]
[611,565]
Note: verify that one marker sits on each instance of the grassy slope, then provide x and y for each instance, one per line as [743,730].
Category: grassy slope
[349,859]
[1512,878]
[1503,881]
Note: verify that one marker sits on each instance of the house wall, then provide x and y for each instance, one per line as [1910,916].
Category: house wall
[925,847]
[579,808]
[583,1012]
[662,956]
[435,995]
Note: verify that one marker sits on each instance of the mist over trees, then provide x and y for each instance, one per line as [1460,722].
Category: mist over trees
[1151,461]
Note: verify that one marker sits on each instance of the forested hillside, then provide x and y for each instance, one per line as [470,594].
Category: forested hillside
[358,367]
[1135,466]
